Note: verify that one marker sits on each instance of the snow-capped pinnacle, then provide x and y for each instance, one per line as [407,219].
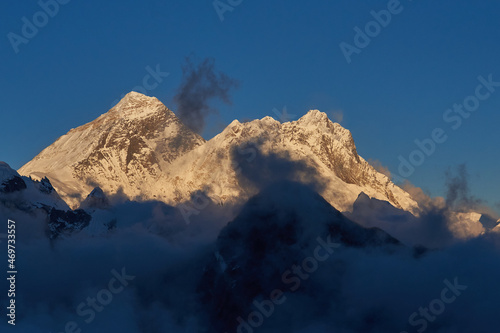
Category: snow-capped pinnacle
[96,199]
[318,118]
[314,140]
[97,193]
[135,94]
[319,122]
[314,115]
[127,148]
[233,123]
[140,148]
[6,172]
[267,122]
[10,181]
[137,105]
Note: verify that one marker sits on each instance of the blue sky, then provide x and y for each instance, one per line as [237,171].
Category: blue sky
[285,53]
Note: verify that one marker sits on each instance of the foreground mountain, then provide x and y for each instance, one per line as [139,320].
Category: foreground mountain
[273,249]
[125,150]
[141,149]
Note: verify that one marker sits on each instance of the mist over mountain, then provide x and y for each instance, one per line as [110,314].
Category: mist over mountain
[267,227]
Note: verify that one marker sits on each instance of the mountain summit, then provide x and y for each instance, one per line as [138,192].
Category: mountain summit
[247,156]
[126,149]
[141,149]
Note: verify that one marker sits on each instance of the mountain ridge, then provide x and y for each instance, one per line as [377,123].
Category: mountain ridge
[140,149]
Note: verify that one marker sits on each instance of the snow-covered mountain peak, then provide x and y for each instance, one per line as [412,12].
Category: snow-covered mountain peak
[126,149]
[10,180]
[242,131]
[6,172]
[314,116]
[312,141]
[269,120]
[136,105]
[267,124]
[137,95]
[141,149]
[95,200]
[319,121]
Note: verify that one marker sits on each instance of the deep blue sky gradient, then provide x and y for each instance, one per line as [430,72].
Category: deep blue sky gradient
[285,53]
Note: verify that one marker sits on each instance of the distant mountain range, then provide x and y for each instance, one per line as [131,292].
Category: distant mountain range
[140,149]
[275,226]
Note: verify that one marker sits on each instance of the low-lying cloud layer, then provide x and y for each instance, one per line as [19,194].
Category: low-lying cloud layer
[145,273]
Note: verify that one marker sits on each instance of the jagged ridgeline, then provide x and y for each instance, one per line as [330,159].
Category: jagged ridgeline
[140,149]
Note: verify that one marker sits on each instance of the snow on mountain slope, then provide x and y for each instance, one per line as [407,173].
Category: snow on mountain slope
[6,173]
[140,148]
[37,207]
[126,149]
[19,192]
[314,140]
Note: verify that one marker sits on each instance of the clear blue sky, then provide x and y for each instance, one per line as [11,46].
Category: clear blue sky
[284,52]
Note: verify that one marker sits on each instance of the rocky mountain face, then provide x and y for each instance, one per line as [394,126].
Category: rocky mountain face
[141,150]
[125,150]
[25,193]
[321,151]
[37,201]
